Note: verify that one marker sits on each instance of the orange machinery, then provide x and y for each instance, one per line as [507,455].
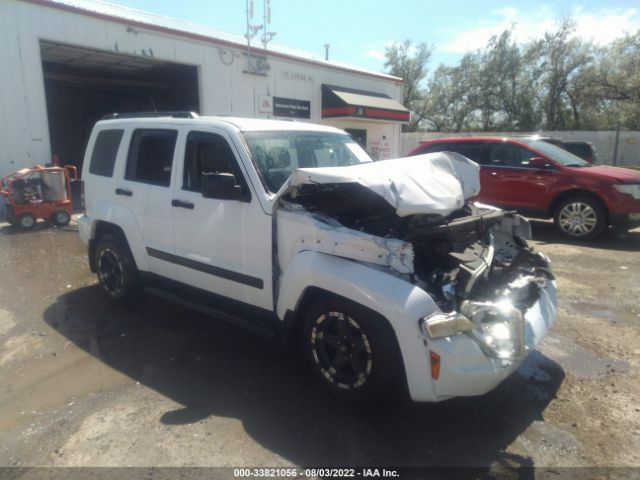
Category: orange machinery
[38,192]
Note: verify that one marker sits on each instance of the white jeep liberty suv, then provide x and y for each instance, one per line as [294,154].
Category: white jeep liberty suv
[384,272]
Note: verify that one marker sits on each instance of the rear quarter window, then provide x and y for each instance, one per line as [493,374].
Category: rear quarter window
[105,150]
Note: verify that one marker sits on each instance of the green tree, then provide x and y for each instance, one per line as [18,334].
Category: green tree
[402,60]
[557,62]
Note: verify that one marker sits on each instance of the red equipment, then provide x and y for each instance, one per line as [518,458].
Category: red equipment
[38,192]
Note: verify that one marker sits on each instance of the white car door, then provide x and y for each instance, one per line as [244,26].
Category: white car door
[146,191]
[222,246]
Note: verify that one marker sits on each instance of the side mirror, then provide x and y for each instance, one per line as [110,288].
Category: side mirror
[539,163]
[221,185]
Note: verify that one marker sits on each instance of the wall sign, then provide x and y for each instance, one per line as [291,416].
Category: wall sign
[289,107]
[296,76]
[265,104]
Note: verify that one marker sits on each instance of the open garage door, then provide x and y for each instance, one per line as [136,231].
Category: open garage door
[83,85]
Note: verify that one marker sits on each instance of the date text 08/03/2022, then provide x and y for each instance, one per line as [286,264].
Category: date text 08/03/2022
[316,472]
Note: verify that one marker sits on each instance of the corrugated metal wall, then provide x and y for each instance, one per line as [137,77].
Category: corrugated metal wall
[225,88]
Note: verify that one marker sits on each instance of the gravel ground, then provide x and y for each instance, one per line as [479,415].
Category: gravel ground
[87,383]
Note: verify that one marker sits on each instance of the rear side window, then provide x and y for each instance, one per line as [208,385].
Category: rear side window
[438,147]
[151,156]
[105,149]
[471,150]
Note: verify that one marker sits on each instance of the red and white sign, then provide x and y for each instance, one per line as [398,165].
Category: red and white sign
[265,104]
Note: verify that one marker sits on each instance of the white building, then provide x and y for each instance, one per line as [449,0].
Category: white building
[67,63]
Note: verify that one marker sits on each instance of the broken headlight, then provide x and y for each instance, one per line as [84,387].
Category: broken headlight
[498,327]
[440,325]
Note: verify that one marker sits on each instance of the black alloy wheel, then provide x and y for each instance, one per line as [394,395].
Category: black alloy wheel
[116,269]
[352,350]
[341,350]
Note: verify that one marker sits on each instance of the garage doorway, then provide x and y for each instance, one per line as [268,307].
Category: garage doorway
[83,85]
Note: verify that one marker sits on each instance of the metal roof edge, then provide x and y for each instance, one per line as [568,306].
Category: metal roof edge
[202,37]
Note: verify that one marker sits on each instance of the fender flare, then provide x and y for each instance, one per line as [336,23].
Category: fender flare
[126,221]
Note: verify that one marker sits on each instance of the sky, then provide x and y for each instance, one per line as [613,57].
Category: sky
[358,31]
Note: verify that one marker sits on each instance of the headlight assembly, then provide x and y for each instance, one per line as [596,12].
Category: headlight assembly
[632,189]
[442,325]
[498,328]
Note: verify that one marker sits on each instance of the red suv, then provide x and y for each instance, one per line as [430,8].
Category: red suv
[543,181]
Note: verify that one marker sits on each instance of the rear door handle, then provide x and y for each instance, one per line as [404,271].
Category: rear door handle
[494,174]
[181,204]
[122,191]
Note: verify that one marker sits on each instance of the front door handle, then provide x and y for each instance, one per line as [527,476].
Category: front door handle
[494,174]
[181,204]
[122,191]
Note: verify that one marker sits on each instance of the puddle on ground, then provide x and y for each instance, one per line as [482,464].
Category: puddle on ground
[578,361]
[631,316]
[48,384]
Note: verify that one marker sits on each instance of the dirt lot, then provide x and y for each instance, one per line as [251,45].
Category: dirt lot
[87,383]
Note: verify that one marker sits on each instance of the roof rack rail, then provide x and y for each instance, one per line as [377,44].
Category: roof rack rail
[177,114]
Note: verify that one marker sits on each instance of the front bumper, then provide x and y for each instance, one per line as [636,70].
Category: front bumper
[466,371]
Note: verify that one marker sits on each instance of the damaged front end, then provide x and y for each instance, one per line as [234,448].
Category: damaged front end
[485,283]
[472,259]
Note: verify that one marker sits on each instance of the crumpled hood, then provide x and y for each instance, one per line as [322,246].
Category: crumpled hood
[435,183]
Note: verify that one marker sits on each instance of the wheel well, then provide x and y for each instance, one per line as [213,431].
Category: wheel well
[574,193]
[102,228]
[292,331]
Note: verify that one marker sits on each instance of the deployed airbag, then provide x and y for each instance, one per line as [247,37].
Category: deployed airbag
[435,183]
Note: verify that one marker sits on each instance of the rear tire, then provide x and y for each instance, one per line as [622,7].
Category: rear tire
[351,350]
[60,218]
[26,221]
[116,269]
[580,218]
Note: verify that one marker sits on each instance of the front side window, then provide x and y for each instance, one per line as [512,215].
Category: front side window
[208,153]
[508,155]
[151,156]
[278,153]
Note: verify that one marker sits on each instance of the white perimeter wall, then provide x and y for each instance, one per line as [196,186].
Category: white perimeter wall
[224,88]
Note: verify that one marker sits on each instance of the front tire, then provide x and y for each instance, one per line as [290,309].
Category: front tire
[116,269]
[351,350]
[580,218]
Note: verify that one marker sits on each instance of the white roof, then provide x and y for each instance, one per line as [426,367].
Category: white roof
[435,183]
[241,123]
[255,124]
[131,15]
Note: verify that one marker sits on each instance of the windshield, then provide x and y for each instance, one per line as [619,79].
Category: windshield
[557,154]
[278,153]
